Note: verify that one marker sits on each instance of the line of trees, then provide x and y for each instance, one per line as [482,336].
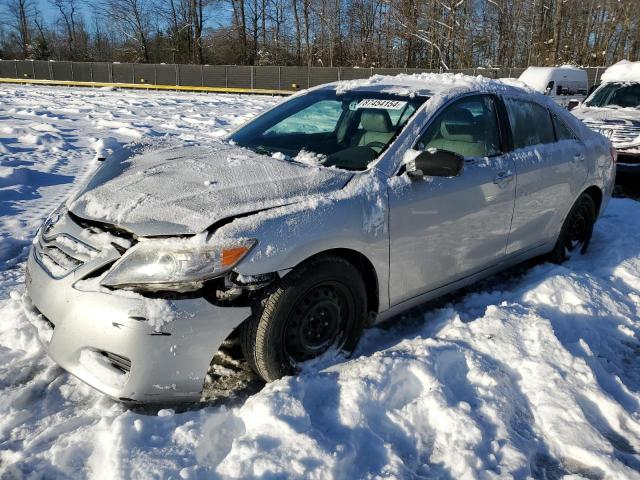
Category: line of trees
[379,33]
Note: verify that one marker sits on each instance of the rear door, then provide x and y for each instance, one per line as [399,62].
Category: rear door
[551,168]
[445,228]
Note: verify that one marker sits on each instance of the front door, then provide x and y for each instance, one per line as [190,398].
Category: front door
[443,229]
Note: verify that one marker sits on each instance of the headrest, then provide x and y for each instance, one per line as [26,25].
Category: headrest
[457,123]
[376,120]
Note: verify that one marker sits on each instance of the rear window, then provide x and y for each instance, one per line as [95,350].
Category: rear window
[530,123]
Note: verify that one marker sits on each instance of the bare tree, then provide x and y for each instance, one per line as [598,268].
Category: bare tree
[133,19]
[20,15]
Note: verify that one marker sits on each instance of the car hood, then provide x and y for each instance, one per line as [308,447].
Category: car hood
[620,125]
[607,115]
[185,190]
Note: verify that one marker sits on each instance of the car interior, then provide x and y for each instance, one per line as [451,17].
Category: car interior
[469,129]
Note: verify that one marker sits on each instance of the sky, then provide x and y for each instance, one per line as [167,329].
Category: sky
[49,13]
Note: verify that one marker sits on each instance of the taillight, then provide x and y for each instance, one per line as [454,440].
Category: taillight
[614,154]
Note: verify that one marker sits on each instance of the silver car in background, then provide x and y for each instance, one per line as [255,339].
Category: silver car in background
[336,209]
[613,110]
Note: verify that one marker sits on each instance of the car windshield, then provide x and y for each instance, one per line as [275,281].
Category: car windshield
[625,95]
[328,128]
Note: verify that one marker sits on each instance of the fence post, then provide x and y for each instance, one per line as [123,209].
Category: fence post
[15,67]
[308,76]
[226,76]
[51,71]
[71,66]
[339,73]
[176,66]
[279,78]
[91,72]
[595,79]
[110,72]
[201,75]
[251,67]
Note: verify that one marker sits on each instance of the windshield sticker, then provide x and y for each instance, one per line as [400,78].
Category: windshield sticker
[381,103]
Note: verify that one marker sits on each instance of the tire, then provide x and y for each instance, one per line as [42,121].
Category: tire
[321,304]
[576,231]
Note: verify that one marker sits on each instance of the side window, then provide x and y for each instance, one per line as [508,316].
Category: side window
[321,117]
[469,127]
[562,131]
[530,123]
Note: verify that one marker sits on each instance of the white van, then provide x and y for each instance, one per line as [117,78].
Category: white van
[563,84]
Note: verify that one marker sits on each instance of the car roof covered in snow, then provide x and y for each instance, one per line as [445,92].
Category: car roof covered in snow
[429,85]
[539,77]
[623,71]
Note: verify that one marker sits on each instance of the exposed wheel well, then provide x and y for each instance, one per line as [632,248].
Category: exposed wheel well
[366,269]
[596,195]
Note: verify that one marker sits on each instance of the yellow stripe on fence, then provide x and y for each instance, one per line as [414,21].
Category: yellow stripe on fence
[147,86]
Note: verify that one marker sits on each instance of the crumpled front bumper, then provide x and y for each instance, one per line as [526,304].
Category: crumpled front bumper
[168,361]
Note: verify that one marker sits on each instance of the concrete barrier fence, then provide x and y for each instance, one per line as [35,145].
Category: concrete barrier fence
[224,78]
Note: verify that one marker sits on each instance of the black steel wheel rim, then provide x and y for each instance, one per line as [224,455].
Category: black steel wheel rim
[578,229]
[318,321]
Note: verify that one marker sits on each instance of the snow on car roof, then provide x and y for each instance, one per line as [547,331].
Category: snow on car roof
[429,84]
[623,71]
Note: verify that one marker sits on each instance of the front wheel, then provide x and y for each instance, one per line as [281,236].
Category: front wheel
[576,231]
[320,305]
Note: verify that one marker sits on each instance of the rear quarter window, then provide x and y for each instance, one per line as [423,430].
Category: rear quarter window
[563,132]
[530,123]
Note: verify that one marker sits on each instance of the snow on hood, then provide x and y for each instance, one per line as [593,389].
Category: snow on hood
[184,190]
[623,71]
[607,114]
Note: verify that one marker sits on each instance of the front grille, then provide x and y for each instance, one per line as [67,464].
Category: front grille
[618,133]
[68,244]
[118,361]
[61,254]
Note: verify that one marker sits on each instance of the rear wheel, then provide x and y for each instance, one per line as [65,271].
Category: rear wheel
[576,231]
[320,305]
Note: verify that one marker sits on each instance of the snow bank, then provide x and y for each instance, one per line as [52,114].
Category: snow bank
[623,71]
[533,374]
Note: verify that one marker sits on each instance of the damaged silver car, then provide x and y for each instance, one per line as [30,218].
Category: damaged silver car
[337,209]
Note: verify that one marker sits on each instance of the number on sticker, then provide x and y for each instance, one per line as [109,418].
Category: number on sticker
[380,103]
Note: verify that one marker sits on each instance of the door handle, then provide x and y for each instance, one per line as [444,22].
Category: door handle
[578,157]
[503,178]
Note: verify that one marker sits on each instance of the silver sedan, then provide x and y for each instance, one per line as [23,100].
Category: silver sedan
[337,209]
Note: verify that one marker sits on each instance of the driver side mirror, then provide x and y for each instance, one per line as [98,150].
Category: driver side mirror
[573,104]
[435,163]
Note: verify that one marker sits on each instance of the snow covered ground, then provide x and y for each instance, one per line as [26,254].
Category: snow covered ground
[533,373]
